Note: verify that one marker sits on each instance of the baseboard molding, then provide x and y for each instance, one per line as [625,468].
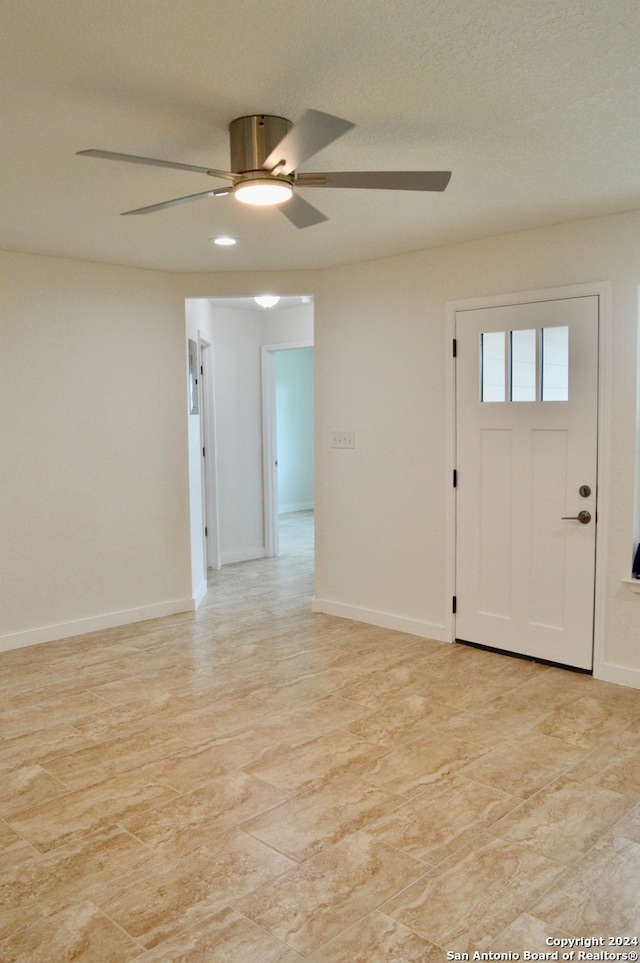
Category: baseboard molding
[110,620]
[384,620]
[296,507]
[620,674]
[200,593]
[245,555]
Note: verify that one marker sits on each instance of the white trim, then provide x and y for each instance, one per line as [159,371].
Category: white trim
[269,451]
[450,464]
[619,674]
[632,583]
[200,593]
[96,623]
[210,461]
[602,289]
[601,670]
[385,620]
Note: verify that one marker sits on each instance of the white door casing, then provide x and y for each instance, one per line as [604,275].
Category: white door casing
[209,455]
[524,571]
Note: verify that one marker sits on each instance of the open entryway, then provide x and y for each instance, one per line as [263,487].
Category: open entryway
[526,477]
[288,435]
[226,423]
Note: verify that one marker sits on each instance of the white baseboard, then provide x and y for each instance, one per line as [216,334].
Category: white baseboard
[244,555]
[295,507]
[64,630]
[620,674]
[384,620]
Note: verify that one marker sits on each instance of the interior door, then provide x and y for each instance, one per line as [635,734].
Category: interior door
[526,463]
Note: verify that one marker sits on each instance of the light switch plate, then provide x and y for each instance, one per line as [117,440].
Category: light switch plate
[343,439]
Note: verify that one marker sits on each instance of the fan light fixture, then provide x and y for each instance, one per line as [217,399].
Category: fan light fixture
[263,191]
[266,153]
[267,300]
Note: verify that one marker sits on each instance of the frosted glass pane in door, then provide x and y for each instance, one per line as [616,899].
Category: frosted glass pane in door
[523,365]
[492,363]
[555,364]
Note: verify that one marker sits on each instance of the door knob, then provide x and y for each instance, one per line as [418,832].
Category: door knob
[584,517]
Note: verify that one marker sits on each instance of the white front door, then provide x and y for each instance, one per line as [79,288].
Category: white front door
[526,464]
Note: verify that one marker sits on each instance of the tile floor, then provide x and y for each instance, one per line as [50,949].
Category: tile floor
[254,783]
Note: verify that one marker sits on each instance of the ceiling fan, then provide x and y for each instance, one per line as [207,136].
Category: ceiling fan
[266,152]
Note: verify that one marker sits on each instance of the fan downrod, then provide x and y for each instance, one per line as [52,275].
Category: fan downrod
[253,138]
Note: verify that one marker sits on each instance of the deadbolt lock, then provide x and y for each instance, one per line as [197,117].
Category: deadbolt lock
[585,491]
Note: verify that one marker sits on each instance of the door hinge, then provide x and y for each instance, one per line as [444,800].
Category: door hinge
[455,477]
[454,604]
[204,453]
[206,532]
[455,347]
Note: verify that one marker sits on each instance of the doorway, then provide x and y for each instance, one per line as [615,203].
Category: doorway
[225,432]
[288,434]
[526,476]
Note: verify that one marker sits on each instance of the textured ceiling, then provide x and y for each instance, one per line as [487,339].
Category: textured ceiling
[533,104]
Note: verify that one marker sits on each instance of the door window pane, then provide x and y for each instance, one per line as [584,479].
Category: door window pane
[523,365]
[555,364]
[492,361]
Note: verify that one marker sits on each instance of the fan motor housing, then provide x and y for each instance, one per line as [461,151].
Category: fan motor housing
[253,138]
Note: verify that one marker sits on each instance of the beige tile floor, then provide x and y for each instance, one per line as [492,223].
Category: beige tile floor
[255,783]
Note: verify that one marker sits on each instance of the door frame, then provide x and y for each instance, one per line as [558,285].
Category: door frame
[270,440]
[209,465]
[602,289]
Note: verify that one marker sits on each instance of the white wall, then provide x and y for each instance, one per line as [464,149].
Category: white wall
[93,472]
[295,431]
[93,454]
[381,358]
[291,325]
[236,340]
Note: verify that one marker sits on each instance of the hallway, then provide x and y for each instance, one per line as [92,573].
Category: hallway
[255,783]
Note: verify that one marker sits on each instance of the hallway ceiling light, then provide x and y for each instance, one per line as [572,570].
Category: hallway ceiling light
[224,241]
[267,300]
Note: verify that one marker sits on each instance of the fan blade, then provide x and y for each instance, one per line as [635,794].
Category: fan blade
[301,213]
[312,132]
[178,200]
[379,180]
[153,162]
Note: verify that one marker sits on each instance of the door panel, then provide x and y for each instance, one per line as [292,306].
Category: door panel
[526,423]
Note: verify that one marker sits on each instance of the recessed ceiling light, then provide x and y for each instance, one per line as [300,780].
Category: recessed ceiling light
[224,241]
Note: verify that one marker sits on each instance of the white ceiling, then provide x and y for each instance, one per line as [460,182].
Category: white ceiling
[533,104]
